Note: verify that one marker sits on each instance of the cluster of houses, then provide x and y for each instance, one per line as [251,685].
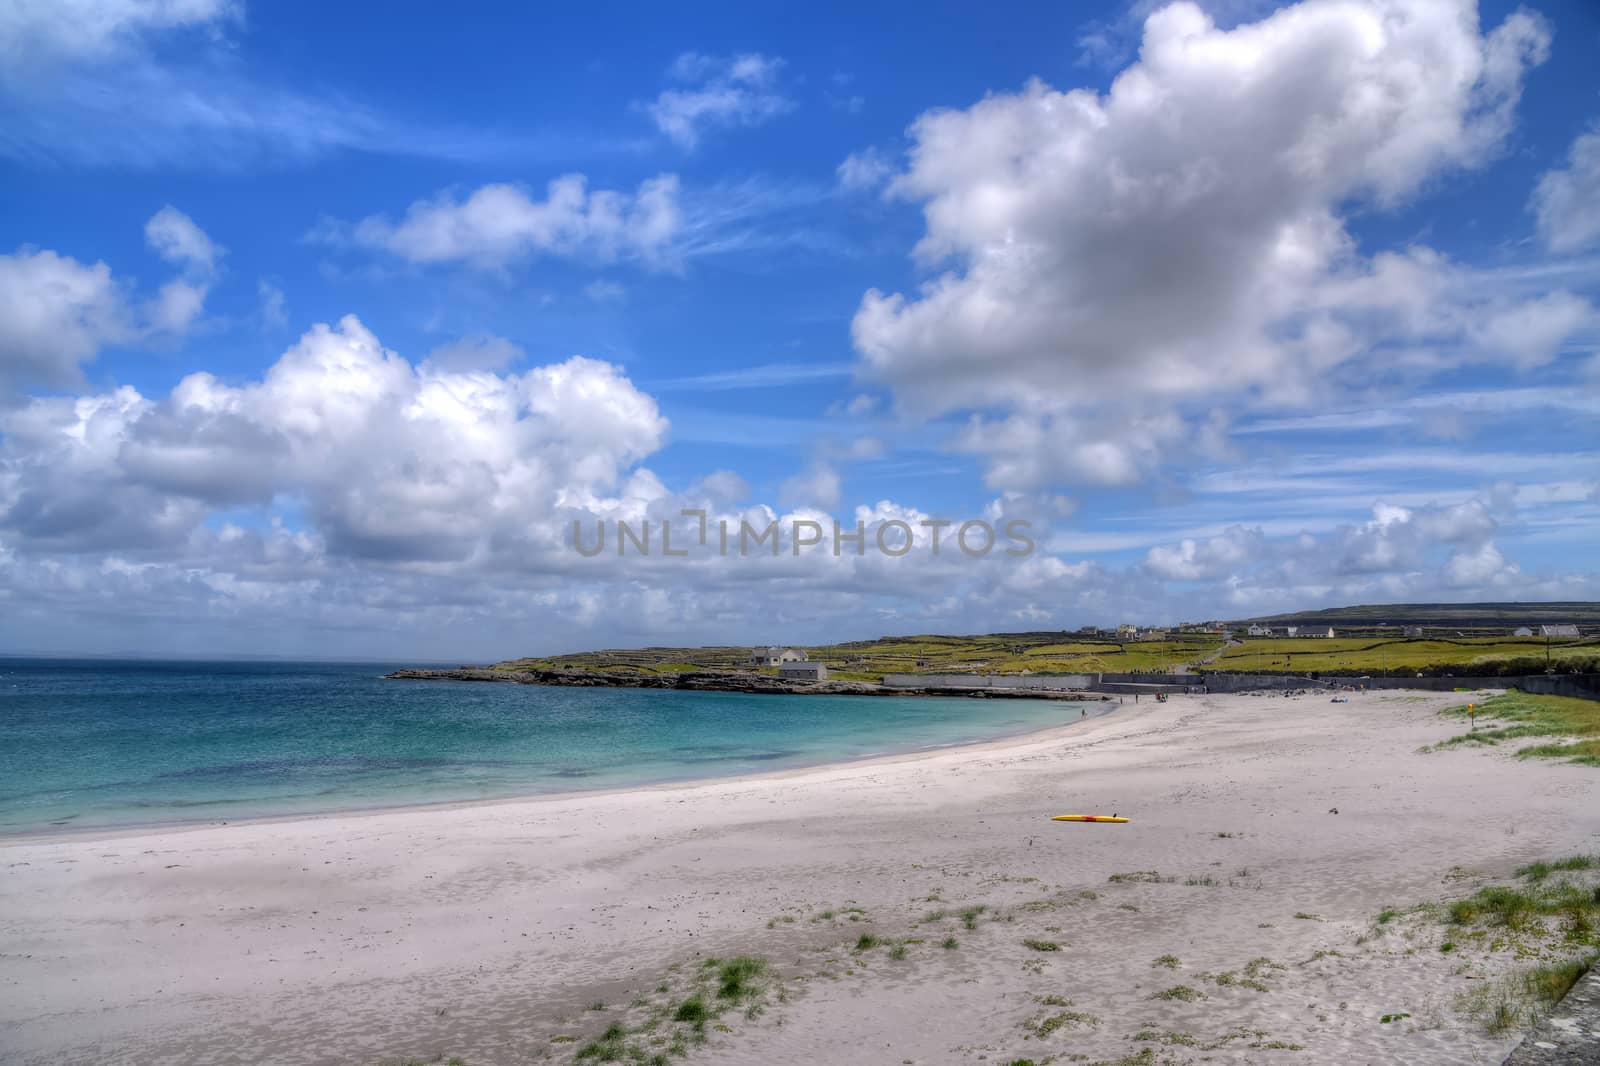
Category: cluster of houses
[1558,630]
[1291,631]
[1547,631]
[1406,631]
[792,664]
[1127,631]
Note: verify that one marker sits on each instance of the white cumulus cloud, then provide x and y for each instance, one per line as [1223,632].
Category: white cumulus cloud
[497,224]
[175,237]
[1567,199]
[1111,261]
[57,313]
[719,92]
[391,461]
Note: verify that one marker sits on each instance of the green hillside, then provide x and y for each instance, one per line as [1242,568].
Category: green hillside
[869,660]
[1463,616]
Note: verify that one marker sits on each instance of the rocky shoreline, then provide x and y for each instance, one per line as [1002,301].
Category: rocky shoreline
[718,681]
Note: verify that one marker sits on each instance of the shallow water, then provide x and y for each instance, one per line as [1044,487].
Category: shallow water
[101,743]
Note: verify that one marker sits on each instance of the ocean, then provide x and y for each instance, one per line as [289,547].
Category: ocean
[96,743]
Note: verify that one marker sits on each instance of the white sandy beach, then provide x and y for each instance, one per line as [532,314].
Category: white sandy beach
[484,931]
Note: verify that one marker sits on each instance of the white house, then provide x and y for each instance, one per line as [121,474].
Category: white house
[1522,631]
[776,656]
[1330,632]
[1291,631]
[1558,631]
[1259,631]
[803,671]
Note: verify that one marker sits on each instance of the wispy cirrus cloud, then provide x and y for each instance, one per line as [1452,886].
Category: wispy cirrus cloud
[1485,405]
[164,83]
[765,376]
[660,225]
[36,34]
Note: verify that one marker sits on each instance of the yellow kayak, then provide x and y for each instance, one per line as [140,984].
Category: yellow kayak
[1087,818]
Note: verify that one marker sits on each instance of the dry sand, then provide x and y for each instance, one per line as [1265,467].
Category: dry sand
[484,930]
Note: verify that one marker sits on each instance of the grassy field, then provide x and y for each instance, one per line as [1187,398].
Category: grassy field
[1016,653]
[1057,653]
[869,660]
[1366,655]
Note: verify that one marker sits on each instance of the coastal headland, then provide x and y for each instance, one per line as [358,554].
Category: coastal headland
[723,681]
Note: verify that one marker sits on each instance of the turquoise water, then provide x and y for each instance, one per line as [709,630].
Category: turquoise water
[96,743]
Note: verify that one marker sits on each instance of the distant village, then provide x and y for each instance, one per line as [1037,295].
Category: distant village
[1234,631]
[796,665]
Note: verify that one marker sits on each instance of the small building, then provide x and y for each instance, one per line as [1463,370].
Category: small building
[1127,630]
[1291,631]
[1153,634]
[1411,631]
[1330,632]
[1259,631]
[1522,631]
[776,656]
[802,671]
[1558,631]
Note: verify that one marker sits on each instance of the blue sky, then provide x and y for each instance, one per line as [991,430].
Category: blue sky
[1246,307]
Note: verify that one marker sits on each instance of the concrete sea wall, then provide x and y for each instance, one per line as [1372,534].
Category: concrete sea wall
[1582,686]
[1033,683]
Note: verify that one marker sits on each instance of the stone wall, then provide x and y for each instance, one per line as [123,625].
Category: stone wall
[1032,682]
[1582,686]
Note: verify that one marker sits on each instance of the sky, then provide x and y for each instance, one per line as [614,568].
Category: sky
[324,327]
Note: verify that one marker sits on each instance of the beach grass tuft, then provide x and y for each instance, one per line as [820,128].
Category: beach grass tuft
[735,976]
[1538,871]
[1182,993]
[692,1011]
[1046,1024]
[609,1047]
[1549,983]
